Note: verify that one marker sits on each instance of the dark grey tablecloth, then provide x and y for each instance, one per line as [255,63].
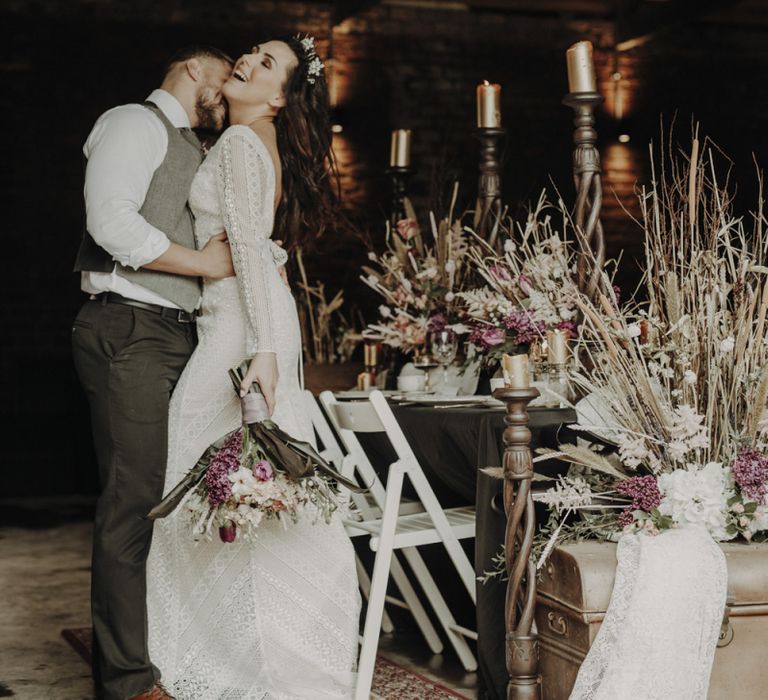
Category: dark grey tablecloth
[452,444]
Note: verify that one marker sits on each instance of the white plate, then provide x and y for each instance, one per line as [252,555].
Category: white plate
[360,394]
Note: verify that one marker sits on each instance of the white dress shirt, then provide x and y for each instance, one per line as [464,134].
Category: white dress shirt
[125,147]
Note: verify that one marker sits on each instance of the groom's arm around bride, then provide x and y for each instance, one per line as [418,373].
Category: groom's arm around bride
[141,269]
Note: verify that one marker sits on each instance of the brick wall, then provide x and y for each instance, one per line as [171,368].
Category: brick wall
[63,63]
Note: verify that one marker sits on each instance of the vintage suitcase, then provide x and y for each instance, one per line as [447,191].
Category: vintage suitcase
[574,592]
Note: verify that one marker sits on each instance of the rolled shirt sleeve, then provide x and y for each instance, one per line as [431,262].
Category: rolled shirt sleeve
[125,147]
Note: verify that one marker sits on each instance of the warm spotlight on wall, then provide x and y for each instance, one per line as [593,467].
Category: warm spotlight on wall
[623,138]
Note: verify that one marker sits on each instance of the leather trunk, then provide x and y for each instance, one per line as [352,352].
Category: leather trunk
[576,587]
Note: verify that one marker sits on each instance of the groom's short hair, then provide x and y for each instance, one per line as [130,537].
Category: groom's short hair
[195,51]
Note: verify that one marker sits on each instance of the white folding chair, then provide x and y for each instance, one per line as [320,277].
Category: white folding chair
[329,449]
[389,530]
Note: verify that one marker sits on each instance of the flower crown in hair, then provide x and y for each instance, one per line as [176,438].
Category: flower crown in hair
[315,66]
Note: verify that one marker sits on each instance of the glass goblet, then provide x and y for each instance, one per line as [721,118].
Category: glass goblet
[444,345]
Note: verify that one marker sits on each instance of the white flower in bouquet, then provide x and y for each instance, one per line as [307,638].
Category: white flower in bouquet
[632,450]
[569,493]
[727,345]
[244,483]
[696,496]
[689,377]
[385,311]
[633,330]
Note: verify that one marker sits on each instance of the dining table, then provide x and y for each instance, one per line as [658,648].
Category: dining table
[454,443]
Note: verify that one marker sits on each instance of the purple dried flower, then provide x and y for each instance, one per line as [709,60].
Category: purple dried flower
[569,326]
[645,495]
[617,294]
[526,330]
[750,471]
[226,460]
[437,323]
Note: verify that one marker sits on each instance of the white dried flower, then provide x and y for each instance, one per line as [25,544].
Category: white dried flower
[385,311]
[372,256]
[727,345]
[450,266]
[509,246]
[633,330]
[449,297]
[696,496]
[689,377]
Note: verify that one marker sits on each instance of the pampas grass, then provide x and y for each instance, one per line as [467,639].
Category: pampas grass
[698,344]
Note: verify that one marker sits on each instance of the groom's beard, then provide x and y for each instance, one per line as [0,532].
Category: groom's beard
[210,114]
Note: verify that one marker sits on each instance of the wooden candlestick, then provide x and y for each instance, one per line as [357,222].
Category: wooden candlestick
[522,642]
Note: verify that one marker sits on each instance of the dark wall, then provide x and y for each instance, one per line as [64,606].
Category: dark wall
[63,63]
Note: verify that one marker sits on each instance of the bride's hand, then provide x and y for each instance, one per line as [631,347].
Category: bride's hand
[263,369]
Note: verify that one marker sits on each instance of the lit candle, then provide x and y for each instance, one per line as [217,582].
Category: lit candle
[488,105]
[516,374]
[557,347]
[581,68]
[400,149]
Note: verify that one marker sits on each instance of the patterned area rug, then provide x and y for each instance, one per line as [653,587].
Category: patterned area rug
[390,680]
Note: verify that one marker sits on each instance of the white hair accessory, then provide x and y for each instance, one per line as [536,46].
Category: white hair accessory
[315,66]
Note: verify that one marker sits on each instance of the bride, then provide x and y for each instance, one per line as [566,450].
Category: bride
[277,618]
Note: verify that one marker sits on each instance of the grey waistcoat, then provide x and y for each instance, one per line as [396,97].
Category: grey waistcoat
[166,207]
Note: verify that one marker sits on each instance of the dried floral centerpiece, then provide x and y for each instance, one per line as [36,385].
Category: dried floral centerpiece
[419,283]
[528,287]
[675,386]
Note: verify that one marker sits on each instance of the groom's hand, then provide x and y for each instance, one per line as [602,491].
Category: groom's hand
[217,258]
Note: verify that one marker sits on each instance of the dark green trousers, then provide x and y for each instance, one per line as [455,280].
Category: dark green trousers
[128,361]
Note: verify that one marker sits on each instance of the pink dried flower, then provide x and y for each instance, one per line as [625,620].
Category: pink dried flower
[750,471]
[500,273]
[407,228]
[525,284]
[228,533]
[262,470]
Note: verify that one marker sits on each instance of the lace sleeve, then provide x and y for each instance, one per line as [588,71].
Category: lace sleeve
[246,210]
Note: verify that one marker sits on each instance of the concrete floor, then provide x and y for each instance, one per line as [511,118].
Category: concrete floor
[44,583]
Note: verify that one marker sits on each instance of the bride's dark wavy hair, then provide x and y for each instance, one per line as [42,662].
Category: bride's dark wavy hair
[310,187]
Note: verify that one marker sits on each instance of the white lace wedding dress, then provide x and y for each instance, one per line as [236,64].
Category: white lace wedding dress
[658,638]
[275,619]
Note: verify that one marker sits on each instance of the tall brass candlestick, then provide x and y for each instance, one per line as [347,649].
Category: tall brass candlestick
[489,132]
[522,645]
[583,98]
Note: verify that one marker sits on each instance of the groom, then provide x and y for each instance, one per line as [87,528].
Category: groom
[139,264]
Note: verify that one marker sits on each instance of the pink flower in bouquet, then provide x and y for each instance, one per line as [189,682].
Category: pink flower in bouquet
[500,273]
[525,284]
[750,472]
[493,336]
[437,323]
[262,470]
[228,533]
[407,228]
